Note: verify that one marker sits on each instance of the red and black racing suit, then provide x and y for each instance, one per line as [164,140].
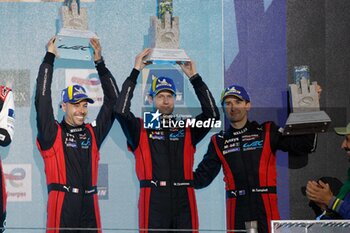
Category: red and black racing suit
[164,161]
[248,159]
[7,120]
[71,154]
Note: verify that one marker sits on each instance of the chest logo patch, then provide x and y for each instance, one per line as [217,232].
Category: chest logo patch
[175,136]
[253,145]
[157,135]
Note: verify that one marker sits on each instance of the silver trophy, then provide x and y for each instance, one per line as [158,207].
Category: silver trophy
[73,39]
[73,16]
[306,116]
[165,34]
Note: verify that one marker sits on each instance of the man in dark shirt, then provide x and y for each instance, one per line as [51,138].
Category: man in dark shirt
[321,193]
[246,151]
[165,156]
[70,149]
[7,120]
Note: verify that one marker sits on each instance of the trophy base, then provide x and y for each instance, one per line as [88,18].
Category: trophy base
[167,56]
[306,123]
[74,44]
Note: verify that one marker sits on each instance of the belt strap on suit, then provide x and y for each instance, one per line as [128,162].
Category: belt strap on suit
[70,189]
[164,183]
[242,192]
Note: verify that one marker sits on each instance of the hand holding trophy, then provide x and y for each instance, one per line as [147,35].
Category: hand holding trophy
[51,46]
[306,116]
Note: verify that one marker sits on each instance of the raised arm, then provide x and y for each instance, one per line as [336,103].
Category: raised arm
[105,117]
[207,102]
[130,124]
[47,127]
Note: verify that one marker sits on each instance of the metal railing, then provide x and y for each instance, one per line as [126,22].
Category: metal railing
[310,226]
[124,230]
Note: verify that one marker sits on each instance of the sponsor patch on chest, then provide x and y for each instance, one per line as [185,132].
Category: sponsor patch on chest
[231,140]
[250,137]
[70,140]
[86,144]
[230,150]
[175,136]
[253,145]
[235,144]
[157,135]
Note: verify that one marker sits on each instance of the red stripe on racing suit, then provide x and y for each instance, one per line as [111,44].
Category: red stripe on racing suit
[55,170]
[155,197]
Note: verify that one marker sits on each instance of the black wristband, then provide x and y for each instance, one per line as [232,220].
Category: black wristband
[196,79]
[99,61]
[133,75]
[49,58]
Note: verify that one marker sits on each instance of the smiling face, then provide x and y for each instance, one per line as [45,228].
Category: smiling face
[236,110]
[346,144]
[164,101]
[75,112]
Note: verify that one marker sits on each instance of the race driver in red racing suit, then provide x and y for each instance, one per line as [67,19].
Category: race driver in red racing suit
[7,120]
[70,149]
[165,156]
[246,152]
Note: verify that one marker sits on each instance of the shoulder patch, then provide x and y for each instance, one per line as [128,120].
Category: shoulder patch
[220,134]
[11,113]
[93,124]
[3,92]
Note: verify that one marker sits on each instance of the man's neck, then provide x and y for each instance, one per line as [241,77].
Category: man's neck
[239,124]
[71,124]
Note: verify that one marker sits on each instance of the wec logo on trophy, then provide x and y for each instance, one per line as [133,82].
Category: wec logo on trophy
[74,47]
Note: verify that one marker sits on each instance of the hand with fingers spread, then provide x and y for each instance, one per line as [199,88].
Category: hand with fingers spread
[188,67]
[139,59]
[95,43]
[51,46]
[319,192]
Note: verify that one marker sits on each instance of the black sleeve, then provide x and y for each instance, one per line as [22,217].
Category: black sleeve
[208,168]
[47,127]
[297,144]
[208,105]
[5,137]
[130,124]
[105,117]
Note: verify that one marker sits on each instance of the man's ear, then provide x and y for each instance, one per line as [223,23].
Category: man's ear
[150,100]
[248,106]
[64,107]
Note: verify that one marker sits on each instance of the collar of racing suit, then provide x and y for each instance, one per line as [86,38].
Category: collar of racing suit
[248,126]
[72,129]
